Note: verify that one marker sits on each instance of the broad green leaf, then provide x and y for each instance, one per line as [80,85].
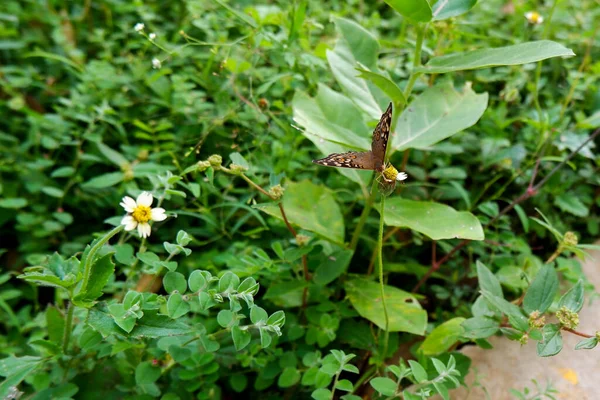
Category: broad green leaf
[332,267]
[114,156]
[541,292]
[356,45]
[418,371]
[335,125]
[385,386]
[416,10]
[311,207]
[104,180]
[436,114]
[102,270]
[438,221]
[145,373]
[385,84]
[177,306]
[14,202]
[445,9]
[55,322]
[174,281]
[522,53]
[480,327]
[573,299]
[153,325]
[442,337]
[593,121]
[241,338]
[404,311]
[515,316]
[289,377]
[567,202]
[551,343]
[15,369]
[488,281]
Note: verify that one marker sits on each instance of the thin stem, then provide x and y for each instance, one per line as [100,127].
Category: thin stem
[416,61]
[254,185]
[573,331]
[363,217]
[380,256]
[556,253]
[68,327]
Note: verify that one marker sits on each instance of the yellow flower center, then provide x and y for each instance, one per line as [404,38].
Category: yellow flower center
[142,214]
[390,173]
[534,17]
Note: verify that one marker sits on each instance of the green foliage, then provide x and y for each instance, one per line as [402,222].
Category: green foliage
[216,110]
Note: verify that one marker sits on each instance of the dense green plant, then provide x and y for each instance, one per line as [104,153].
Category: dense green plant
[207,106]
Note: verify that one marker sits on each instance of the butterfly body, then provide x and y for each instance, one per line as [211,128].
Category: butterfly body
[373,159]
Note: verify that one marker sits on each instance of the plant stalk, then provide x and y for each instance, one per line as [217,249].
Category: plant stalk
[380,257]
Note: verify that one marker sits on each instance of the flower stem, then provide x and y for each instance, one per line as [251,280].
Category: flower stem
[363,217]
[380,257]
[416,61]
[67,329]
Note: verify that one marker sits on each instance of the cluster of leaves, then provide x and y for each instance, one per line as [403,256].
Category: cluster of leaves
[217,108]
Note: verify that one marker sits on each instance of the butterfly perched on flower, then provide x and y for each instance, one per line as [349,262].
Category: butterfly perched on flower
[373,159]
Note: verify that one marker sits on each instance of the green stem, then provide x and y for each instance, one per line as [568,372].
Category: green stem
[538,70]
[416,61]
[68,325]
[89,261]
[380,257]
[363,217]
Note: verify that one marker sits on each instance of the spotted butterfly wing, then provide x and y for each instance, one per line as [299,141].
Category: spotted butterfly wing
[381,135]
[351,159]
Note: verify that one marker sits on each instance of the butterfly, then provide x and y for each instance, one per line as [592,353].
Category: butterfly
[374,159]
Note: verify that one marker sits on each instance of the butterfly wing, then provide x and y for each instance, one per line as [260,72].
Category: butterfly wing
[381,135]
[351,159]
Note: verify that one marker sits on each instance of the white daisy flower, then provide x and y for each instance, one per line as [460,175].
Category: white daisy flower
[139,213]
[139,27]
[156,64]
[533,17]
[152,36]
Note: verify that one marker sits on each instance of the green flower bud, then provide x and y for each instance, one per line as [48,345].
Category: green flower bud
[215,160]
[570,239]
[567,318]
[276,192]
[203,165]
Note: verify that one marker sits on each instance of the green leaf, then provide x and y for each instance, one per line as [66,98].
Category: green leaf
[451,8]
[102,270]
[480,327]
[176,306]
[356,45]
[146,373]
[154,325]
[404,311]
[238,159]
[438,221]
[488,281]
[103,181]
[258,314]
[416,10]
[334,124]
[515,316]
[418,371]
[442,390]
[436,114]
[573,299]
[522,53]
[53,192]
[385,386]
[587,344]
[241,338]
[522,217]
[551,343]
[14,202]
[321,394]
[289,377]
[386,85]
[442,337]
[114,156]
[344,385]
[174,281]
[567,202]
[333,266]
[238,382]
[15,369]
[240,15]
[62,172]
[310,207]
[89,338]
[55,322]
[540,294]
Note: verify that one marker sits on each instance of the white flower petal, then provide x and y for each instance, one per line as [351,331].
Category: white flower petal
[540,20]
[158,214]
[128,204]
[144,199]
[129,222]
[144,229]
[401,176]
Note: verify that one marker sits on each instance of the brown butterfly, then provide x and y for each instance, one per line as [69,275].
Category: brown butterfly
[373,159]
